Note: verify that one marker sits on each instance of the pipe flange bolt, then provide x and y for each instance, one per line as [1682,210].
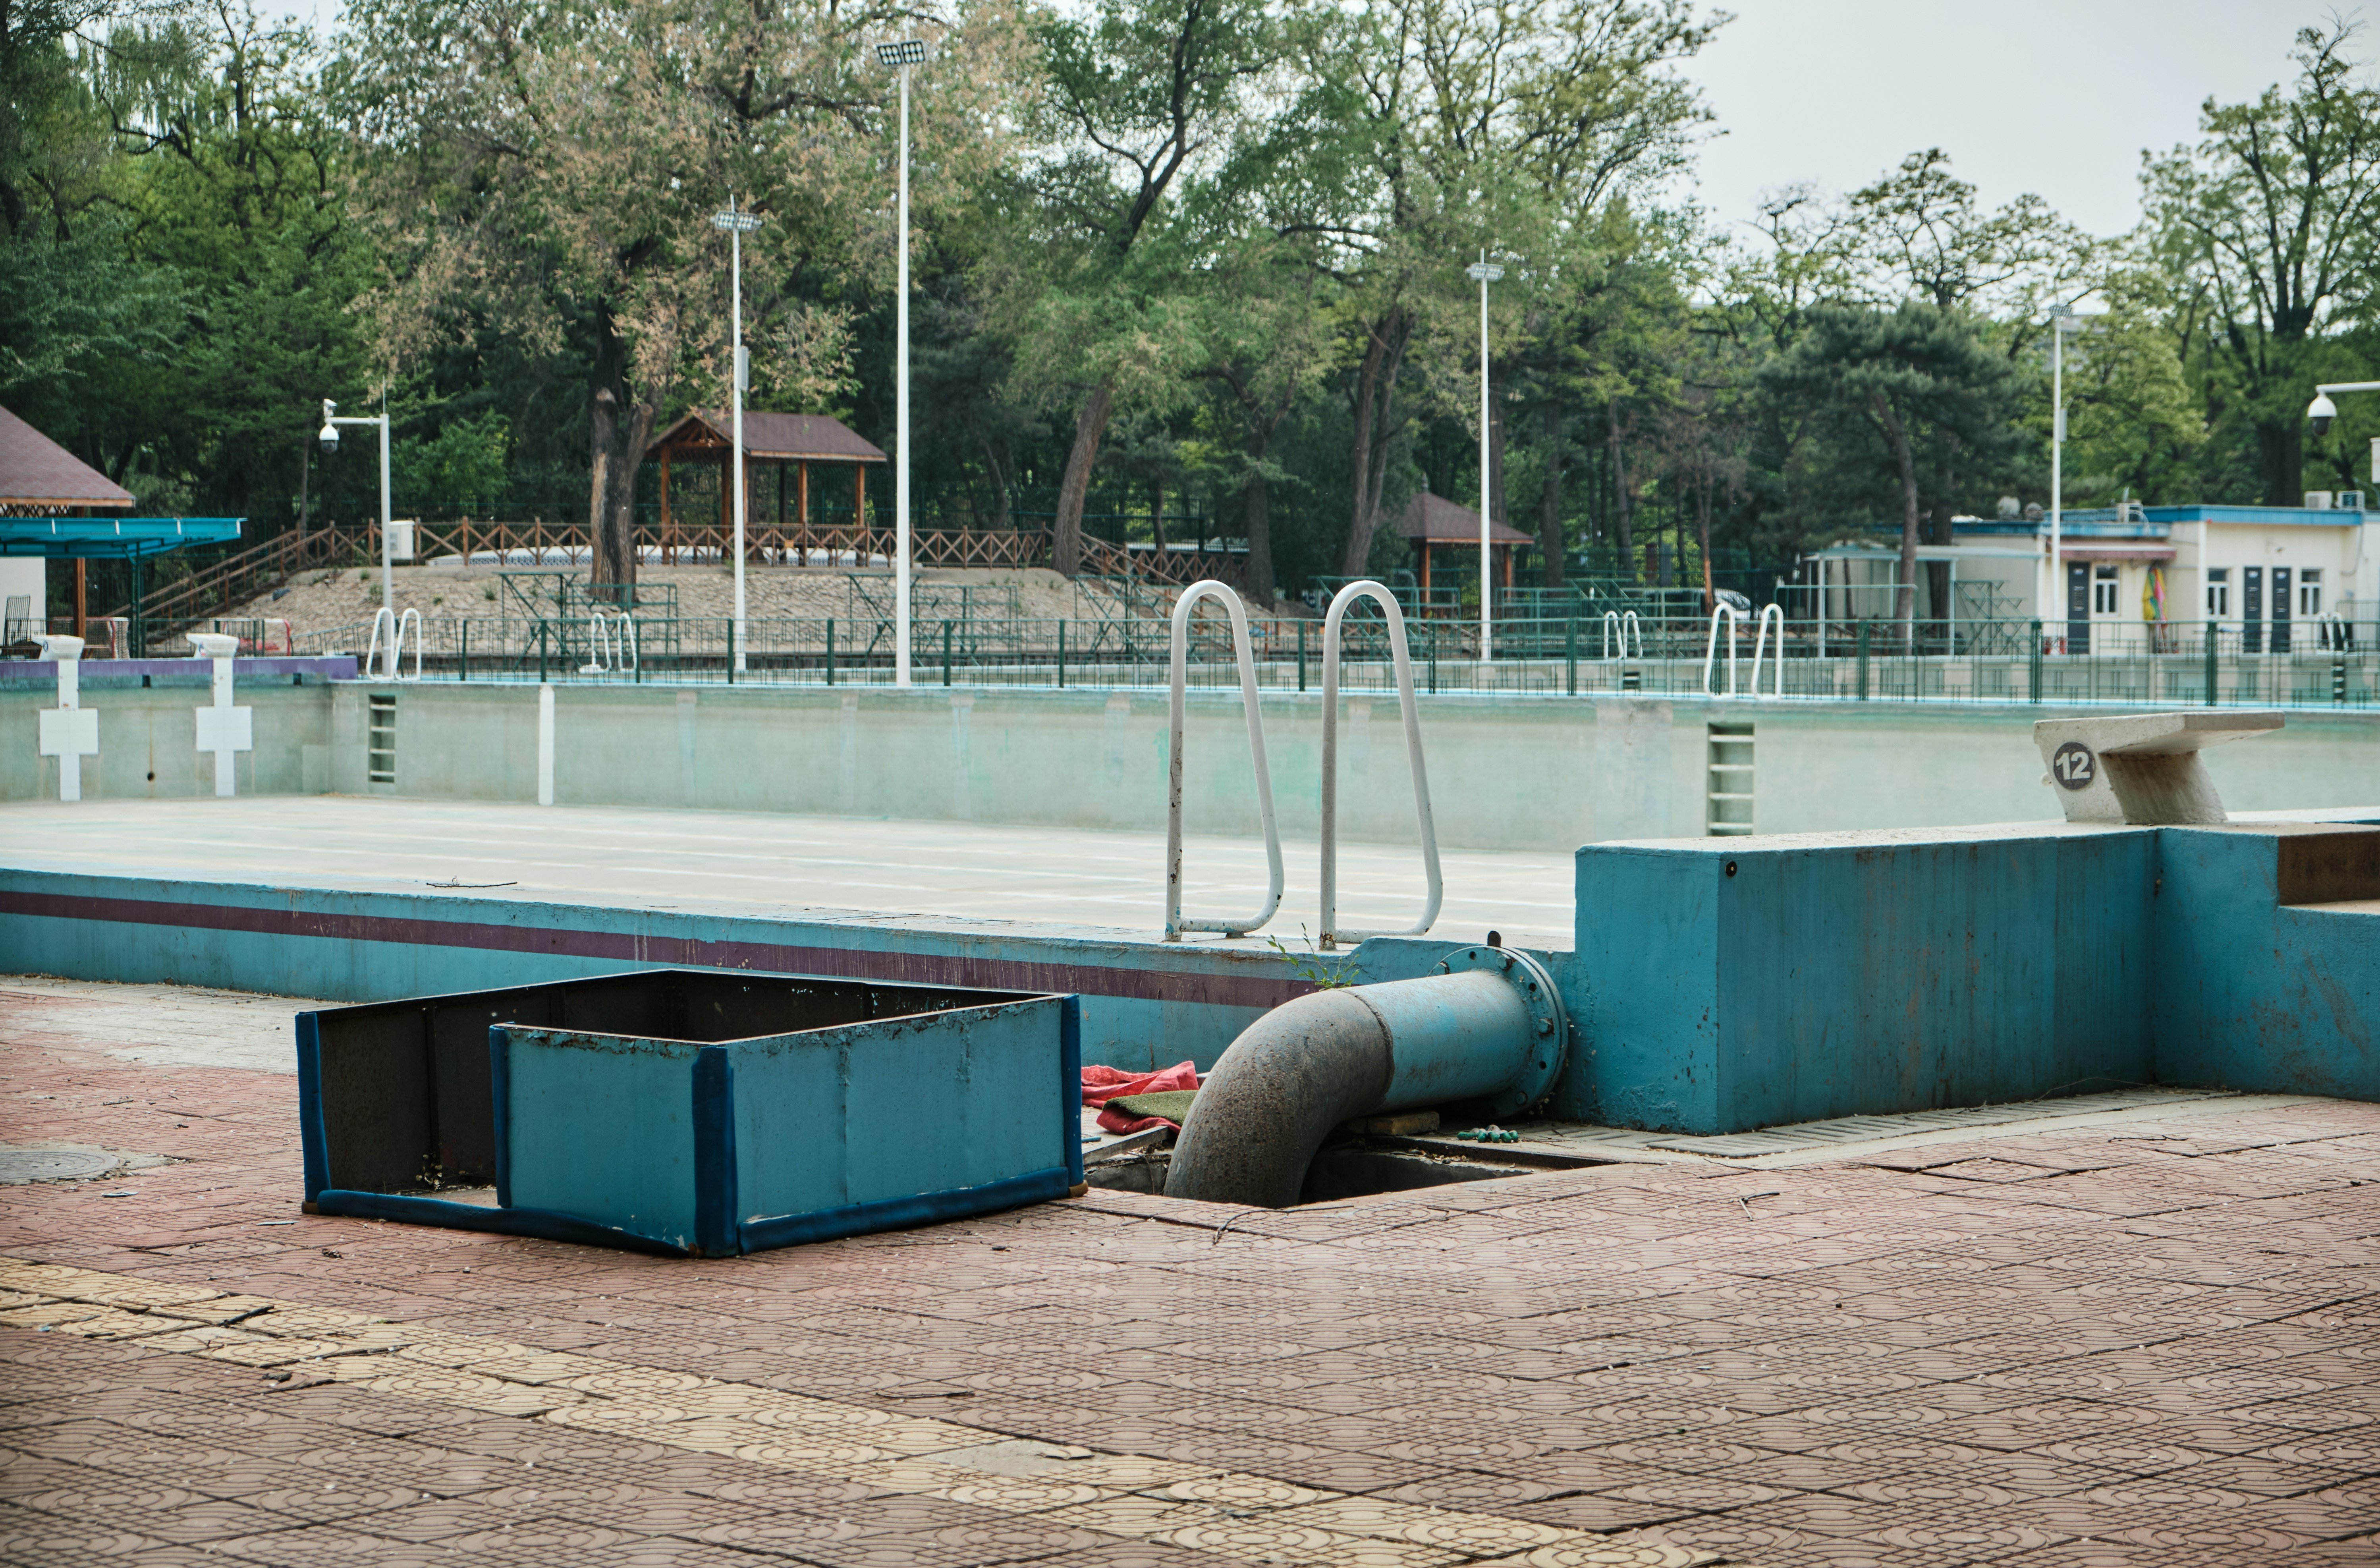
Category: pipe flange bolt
[1550,1025]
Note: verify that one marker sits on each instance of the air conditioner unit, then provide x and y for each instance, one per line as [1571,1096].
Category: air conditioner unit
[2348,501]
[2317,501]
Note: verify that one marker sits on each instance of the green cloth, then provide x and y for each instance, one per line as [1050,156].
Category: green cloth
[1172,1104]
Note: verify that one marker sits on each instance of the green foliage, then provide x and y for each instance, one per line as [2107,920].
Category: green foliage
[1193,266]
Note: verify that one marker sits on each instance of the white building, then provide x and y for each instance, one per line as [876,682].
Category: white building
[2273,575]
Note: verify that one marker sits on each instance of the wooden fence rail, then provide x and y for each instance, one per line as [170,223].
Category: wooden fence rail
[222,586]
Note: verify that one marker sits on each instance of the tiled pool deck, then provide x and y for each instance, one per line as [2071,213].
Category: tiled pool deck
[2153,1340]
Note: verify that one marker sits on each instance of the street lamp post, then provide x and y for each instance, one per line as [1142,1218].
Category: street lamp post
[908,52]
[1486,271]
[2060,326]
[738,225]
[332,421]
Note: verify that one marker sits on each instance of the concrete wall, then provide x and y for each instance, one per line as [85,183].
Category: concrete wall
[1505,773]
[1146,1004]
[148,730]
[1725,985]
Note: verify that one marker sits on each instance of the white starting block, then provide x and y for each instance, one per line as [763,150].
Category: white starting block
[69,732]
[2142,770]
[222,729]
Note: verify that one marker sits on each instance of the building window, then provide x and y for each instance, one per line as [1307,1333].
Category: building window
[2310,591]
[2103,591]
[2219,592]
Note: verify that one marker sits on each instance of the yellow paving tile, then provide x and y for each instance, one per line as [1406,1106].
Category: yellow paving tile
[113,1323]
[1139,1518]
[1017,1494]
[48,1315]
[1481,1534]
[1262,1536]
[1244,1493]
[1373,1517]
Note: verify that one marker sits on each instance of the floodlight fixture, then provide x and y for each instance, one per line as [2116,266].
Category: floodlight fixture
[735,223]
[1485,272]
[907,51]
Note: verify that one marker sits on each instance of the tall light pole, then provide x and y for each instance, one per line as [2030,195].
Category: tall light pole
[332,421]
[1486,271]
[2060,326]
[738,225]
[906,53]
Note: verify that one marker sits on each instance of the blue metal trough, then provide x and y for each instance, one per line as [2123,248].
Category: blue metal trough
[691,1112]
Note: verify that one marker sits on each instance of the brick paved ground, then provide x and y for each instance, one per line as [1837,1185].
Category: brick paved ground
[2152,1344]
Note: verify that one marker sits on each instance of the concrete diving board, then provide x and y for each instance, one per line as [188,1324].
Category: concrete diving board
[2142,770]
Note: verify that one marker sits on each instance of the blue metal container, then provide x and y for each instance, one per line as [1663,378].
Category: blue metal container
[691,1111]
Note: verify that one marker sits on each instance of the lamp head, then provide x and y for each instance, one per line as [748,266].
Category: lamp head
[2322,410]
[907,51]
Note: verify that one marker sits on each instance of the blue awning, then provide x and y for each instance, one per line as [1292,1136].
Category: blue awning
[111,538]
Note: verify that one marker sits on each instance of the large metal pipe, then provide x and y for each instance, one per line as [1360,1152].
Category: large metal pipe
[1488,1027]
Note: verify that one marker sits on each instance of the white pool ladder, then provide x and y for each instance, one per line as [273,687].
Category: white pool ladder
[1176,922]
[1614,621]
[1331,933]
[1760,642]
[611,644]
[395,625]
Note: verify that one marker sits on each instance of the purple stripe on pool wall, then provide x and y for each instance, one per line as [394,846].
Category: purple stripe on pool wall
[1130,980]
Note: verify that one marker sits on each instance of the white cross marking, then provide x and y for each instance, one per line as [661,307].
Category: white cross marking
[223,729]
[69,732]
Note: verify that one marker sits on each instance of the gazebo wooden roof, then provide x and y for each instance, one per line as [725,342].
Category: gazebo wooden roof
[1434,523]
[704,435]
[777,441]
[1436,520]
[39,476]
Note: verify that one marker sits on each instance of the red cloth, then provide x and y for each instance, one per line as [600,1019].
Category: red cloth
[1103,1084]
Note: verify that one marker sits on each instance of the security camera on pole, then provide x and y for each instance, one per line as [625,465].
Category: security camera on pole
[737,225]
[1486,271]
[907,52]
[332,421]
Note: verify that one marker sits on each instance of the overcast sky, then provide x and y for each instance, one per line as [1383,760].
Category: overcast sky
[2057,97]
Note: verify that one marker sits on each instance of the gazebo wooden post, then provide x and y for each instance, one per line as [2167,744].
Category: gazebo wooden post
[1424,606]
[803,510]
[82,595]
[860,496]
[781,513]
[669,531]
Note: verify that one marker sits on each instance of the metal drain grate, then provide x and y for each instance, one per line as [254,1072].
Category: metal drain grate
[20,1165]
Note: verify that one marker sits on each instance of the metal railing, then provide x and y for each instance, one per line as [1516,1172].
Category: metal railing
[2329,664]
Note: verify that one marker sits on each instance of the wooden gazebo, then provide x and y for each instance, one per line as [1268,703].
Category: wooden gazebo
[800,442]
[1436,524]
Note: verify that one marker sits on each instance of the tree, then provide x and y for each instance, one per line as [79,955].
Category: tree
[1902,372]
[2273,214]
[1141,96]
[558,166]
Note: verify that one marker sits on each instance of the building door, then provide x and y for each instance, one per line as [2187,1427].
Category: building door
[2251,609]
[2077,607]
[2280,609]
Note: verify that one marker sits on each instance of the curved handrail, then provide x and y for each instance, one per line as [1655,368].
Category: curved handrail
[611,643]
[396,644]
[1760,642]
[1734,618]
[1629,622]
[382,617]
[1175,924]
[1340,602]
[598,646]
